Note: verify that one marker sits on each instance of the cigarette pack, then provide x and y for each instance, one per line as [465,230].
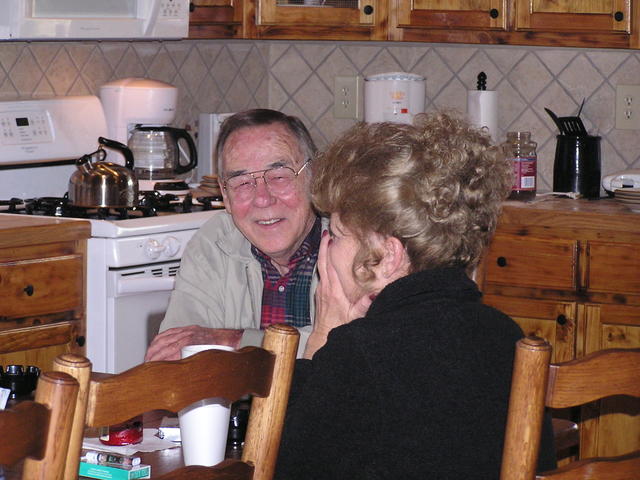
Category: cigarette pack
[112,472]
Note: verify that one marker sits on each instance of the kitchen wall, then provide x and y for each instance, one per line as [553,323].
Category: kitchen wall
[297,77]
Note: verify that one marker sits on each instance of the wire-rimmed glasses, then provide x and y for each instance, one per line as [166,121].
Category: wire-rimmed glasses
[279,180]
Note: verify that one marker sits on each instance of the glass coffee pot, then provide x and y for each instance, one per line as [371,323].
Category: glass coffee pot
[159,155]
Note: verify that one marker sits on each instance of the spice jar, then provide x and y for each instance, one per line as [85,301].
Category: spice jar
[521,150]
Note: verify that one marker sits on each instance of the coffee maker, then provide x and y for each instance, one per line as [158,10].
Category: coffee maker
[138,112]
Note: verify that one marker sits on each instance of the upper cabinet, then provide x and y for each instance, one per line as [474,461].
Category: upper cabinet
[563,23]
[217,19]
[447,14]
[604,16]
[587,23]
[322,19]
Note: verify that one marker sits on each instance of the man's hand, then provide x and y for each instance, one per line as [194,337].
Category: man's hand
[168,344]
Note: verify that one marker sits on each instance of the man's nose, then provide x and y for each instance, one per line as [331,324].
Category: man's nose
[262,191]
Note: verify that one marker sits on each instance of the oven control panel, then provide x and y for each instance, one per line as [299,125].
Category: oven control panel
[47,130]
[145,249]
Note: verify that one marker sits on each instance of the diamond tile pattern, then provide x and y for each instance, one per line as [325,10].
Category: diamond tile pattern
[297,77]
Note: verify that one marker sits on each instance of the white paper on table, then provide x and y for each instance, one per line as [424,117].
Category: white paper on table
[150,443]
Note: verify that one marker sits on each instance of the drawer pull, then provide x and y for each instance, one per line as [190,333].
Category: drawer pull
[561,319]
[501,261]
[192,6]
[368,9]
[81,340]
[28,290]
[494,13]
[619,16]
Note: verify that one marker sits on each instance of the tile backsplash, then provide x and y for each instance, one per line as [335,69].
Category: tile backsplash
[297,77]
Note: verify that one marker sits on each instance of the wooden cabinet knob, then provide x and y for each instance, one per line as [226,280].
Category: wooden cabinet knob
[28,290]
[561,319]
[619,16]
[501,261]
[368,9]
[494,13]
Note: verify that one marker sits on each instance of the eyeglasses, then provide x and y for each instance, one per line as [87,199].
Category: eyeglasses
[279,181]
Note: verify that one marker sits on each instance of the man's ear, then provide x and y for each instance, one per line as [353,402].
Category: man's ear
[395,263]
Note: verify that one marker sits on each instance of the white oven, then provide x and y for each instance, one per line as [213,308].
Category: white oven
[131,261]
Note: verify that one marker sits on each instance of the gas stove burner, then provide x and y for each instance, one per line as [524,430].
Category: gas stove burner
[210,202]
[13,205]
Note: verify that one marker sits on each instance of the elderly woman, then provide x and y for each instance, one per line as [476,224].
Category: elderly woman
[407,373]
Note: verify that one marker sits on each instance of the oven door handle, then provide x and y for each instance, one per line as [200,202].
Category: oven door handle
[145,284]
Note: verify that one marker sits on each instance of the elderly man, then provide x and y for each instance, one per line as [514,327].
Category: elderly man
[254,264]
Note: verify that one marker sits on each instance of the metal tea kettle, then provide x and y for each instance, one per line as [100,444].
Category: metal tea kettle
[102,184]
[157,152]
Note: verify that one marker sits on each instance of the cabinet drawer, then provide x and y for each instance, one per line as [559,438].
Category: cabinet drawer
[523,261]
[613,267]
[37,287]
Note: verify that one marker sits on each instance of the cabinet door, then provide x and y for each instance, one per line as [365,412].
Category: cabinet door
[553,321]
[613,268]
[317,19]
[485,14]
[611,426]
[39,346]
[605,16]
[513,260]
[216,19]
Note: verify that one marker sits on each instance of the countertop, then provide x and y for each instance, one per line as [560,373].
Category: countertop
[22,230]
[548,211]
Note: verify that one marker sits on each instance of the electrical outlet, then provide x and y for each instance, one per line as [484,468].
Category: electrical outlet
[346,97]
[628,107]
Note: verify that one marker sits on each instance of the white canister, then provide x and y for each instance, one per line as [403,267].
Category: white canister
[393,97]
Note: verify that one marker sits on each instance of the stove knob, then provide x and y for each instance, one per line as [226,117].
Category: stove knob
[153,248]
[171,246]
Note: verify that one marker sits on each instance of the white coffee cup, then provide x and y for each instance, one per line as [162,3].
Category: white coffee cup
[204,424]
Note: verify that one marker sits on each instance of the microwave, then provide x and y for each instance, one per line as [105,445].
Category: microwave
[94,19]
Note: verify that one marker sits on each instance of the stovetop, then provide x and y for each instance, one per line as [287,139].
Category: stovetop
[154,213]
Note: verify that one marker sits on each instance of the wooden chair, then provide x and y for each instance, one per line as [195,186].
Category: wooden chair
[263,372]
[39,431]
[538,384]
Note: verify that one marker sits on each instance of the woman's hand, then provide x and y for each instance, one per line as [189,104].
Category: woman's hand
[333,308]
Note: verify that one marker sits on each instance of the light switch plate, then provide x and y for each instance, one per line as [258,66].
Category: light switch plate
[346,97]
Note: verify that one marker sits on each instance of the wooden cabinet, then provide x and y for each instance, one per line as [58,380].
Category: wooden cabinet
[444,14]
[322,19]
[568,271]
[42,296]
[217,19]
[589,23]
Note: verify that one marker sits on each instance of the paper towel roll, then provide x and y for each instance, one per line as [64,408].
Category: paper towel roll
[482,110]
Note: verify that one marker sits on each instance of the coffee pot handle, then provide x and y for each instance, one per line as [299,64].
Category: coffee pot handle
[126,151]
[177,134]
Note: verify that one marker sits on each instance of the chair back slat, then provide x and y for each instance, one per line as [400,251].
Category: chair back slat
[538,384]
[174,385]
[31,419]
[263,372]
[39,431]
[606,373]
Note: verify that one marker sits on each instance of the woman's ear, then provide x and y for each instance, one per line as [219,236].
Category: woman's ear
[395,263]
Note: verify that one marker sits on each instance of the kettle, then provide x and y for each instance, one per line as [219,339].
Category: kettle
[102,184]
[157,152]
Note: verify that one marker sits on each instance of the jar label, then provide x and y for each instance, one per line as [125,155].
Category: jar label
[524,174]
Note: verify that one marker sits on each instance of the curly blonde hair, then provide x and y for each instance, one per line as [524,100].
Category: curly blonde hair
[436,185]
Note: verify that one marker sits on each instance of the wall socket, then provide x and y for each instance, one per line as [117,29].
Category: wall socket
[628,107]
[346,97]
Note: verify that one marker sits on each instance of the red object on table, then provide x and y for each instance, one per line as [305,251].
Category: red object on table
[126,433]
